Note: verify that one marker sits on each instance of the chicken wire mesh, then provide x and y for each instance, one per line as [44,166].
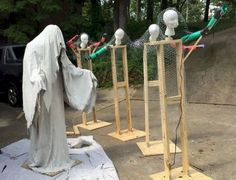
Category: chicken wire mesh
[135,56]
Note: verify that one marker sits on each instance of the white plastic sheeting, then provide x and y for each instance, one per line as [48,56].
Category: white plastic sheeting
[95,164]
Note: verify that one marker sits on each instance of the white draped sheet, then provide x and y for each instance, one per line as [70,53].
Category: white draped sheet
[47,72]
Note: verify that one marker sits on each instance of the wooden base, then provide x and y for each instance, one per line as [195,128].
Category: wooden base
[91,125]
[177,174]
[51,174]
[128,135]
[156,148]
[74,132]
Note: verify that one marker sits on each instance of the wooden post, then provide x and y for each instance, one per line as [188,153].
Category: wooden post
[146,98]
[78,58]
[115,89]
[95,124]
[79,64]
[181,92]
[163,106]
[183,172]
[156,147]
[126,80]
[130,132]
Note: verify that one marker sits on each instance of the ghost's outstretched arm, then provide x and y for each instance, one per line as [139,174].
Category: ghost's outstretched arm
[79,84]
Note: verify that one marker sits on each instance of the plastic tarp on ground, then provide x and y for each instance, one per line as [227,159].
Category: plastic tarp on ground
[95,164]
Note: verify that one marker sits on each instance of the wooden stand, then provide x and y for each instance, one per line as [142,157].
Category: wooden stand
[130,132]
[148,147]
[95,124]
[184,172]
[74,132]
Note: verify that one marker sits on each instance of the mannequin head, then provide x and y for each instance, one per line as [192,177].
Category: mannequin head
[154,31]
[119,34]
[84,40]
[170,18]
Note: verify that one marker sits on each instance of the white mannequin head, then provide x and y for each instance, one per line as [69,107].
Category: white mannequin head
[119,34]
[154,31]
[170,18]
[84,40]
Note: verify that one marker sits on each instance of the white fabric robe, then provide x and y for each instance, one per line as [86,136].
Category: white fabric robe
[47,72]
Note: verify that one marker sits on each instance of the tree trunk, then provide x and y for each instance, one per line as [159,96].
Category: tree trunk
[122,14]
[116,14]
[164,4]
[150,4]
[206,10]
[177,5]
[96,18]
[79,7]
[128,9]
[138,10]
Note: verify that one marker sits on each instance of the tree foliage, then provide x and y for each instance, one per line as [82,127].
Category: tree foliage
[21,20]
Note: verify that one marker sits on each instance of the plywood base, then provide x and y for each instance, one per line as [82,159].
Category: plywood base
[128,135]
[176,174]
[91,125]
[51,174]
[74,132]
[156,148]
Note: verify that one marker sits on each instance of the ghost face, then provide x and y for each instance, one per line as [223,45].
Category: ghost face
[84,40]
[170,18]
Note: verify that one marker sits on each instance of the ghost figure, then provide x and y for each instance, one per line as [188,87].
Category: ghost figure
[154,31]
[47,73]
[119,34]
[84,40]
[170,18]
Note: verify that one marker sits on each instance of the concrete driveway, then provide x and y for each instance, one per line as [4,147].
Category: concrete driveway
[211,133]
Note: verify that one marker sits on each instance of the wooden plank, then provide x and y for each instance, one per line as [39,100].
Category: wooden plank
[183,128]
[191,50]
[176,174]
[84,118]
[91,125]
[153,83]
[145,87]
[155,148]
[127,135]
[70,132]
[121,84]
[117,47]
[50,174]
[85,49]
[90,64]
[163,42]
[20,115]
[78,57]
[173,99]
[163,106]
[126,80]
[115,91]
[76,130]
[94,115]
